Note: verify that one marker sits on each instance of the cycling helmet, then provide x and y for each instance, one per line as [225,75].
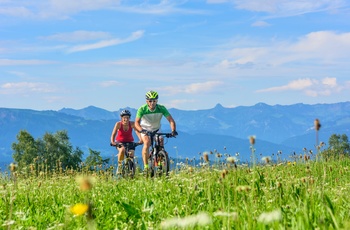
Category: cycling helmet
[151,95]
[125,113]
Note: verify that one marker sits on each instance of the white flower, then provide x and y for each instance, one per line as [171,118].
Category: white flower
[200,219]
[233,215]
[269,217]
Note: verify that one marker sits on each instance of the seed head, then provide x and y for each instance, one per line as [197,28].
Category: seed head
[206,157]
[13,167]
[317,124]
[252,140]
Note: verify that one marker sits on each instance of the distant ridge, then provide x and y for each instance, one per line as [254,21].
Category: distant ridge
[284,128]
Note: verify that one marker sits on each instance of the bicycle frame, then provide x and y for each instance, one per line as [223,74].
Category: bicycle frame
[158,158]
[128,165]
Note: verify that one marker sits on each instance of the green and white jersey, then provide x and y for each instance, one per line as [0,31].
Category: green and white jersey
[150,120]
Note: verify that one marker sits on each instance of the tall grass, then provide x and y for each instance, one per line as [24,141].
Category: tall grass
[286,195]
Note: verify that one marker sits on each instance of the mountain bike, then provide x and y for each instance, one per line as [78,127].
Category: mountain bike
[128,165]
[158,159]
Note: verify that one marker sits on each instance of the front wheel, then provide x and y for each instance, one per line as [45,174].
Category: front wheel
[128,169]
[163,163]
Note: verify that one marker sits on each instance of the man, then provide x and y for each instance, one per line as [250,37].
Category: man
[148,118]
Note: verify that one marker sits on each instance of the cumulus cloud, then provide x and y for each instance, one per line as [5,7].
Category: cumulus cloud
[106,43]
[310,87]
[25,88]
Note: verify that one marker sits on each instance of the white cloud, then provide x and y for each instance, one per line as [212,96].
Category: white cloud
[25,88]
[195,88]
[299,84]
[78,36]
[106,43]
[260,24]
[106,84]
[10,62]
[287,7]
[311,87]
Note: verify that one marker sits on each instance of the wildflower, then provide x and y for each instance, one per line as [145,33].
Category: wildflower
[231,160]
[244,188]
[269,217]
[233,215]
[224,173]
[201,219]
[79,209]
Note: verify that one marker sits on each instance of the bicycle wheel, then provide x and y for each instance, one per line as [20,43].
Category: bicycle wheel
[128,169]
[131,167]
[163,163]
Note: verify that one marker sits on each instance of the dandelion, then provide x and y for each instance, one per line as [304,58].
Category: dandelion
[201,219]
[79,209]
[269,217]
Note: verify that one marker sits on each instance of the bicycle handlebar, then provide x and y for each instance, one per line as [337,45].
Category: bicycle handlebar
[154,133]
[130,144]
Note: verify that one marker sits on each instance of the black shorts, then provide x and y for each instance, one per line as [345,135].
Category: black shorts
[131,145]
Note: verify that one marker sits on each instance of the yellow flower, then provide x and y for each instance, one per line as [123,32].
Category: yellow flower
[79,209]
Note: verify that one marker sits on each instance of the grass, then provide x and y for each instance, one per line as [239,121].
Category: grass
[287,195]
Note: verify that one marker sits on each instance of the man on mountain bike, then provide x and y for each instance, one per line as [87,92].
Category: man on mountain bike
[122,133]
[148,118]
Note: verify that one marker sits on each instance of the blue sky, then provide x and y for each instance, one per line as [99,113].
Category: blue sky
[108,53]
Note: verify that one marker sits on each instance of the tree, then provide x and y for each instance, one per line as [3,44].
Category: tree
[93,159]
[26,149]
[339,143]
[54,150]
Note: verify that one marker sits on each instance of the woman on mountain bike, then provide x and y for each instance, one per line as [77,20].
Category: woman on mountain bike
[148,118]
[122,133]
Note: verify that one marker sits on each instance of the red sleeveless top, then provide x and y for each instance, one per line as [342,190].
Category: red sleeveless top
[125,136]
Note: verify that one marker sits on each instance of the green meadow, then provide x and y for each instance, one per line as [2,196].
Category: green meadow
[298,194]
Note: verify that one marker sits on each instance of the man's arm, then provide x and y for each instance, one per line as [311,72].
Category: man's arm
[138,127]
[136,131]
[171,122]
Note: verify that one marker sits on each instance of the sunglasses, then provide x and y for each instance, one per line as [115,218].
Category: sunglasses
[152,101]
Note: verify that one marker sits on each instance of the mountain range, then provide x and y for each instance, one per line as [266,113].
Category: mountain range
[285,128]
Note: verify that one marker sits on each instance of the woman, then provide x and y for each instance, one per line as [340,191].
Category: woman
[122,133]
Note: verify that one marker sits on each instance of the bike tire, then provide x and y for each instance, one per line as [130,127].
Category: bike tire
[163,163]
[131,166]
[128,169]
